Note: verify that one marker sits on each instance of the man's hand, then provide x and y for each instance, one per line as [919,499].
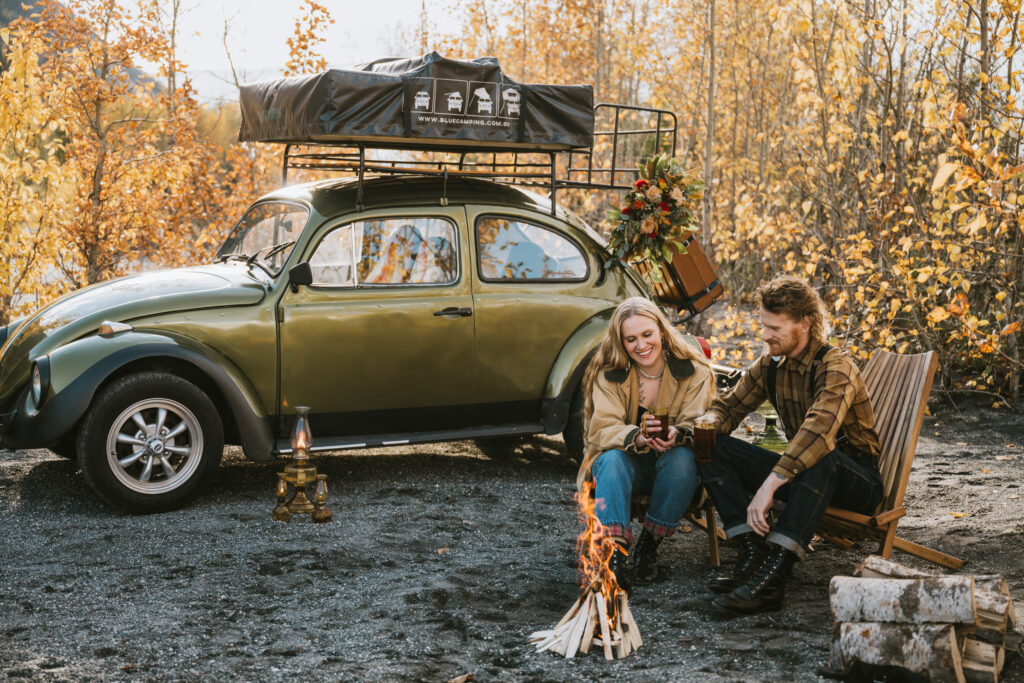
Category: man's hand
[757,511]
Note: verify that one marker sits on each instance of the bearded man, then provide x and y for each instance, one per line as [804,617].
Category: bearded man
[831,457]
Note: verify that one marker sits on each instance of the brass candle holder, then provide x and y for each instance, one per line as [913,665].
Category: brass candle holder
[300,474]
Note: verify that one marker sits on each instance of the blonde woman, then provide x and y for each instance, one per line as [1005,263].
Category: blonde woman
[642,362]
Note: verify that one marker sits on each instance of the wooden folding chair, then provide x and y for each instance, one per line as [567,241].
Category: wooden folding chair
[898,387]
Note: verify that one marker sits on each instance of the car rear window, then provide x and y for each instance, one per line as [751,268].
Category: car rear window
[513,250]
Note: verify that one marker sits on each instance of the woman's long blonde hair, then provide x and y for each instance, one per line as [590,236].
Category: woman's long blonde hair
[611,354]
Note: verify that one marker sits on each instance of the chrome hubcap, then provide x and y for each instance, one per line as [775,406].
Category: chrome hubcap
[154,446]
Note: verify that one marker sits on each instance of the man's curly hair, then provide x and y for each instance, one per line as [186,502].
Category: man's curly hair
[795,297]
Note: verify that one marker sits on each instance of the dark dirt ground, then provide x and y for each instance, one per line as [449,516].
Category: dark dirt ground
[439,562]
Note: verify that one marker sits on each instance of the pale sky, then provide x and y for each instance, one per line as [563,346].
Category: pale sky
[362,31]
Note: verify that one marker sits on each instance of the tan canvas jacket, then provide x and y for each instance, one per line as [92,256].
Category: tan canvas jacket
[684,387]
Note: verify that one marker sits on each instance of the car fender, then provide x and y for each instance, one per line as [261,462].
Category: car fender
[567,370]
[78,369]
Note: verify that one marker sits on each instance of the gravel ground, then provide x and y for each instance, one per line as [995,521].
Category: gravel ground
[439,562]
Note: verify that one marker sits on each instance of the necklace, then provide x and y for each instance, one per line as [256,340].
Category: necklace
[658,376]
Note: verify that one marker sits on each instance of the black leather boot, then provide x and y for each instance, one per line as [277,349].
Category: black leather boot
[752,554]
[619,564]
[645,558]
[765,589]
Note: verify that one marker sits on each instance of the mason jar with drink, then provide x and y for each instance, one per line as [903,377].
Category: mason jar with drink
[704,438]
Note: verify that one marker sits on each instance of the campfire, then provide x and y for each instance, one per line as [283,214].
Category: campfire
[600,617]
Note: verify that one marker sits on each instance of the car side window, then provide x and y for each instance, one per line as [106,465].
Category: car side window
[513,250]
[389,251]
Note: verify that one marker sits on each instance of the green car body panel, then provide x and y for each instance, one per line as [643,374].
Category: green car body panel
[501,357]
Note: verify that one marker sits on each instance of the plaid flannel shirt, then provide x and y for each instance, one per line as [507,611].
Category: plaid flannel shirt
[811,416]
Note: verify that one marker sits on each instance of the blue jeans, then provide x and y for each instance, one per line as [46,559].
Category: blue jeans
[670,479]
[739,469]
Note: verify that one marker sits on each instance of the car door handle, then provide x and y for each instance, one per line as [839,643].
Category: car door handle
[453,310]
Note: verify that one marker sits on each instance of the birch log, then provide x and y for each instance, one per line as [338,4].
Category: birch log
[926,649]
[940,599]
[991,608]
[876,567]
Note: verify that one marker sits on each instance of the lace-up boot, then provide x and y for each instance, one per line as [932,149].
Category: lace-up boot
[752,554]
[765,589]
[645,558]
[619,564]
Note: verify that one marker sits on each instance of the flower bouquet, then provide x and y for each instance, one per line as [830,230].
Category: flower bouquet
[655,216]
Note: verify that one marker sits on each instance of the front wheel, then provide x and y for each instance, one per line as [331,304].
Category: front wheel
[150,442]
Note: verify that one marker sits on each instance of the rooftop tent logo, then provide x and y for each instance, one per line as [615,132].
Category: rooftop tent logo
[510,99]
[482,98]
[484,103]
[449,96]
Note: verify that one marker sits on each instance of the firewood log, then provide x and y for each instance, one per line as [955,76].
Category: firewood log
[579,624]
[606,636]
[926,649]
[991,609]
[876,566]
[940,599]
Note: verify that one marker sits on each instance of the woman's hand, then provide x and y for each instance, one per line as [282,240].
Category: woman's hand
[662,445]
[640,442]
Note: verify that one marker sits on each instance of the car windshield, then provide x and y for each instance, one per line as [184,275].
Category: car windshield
[265,235]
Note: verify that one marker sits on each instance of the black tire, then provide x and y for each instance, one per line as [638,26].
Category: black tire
[573,432]
[123,435]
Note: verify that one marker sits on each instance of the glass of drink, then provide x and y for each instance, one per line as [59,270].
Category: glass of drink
[704,439]
[657,412]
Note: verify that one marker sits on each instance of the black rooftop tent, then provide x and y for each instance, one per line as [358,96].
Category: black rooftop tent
[425,101]
[469,117]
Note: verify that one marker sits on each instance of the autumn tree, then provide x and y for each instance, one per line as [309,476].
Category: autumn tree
[30,150]
[128,153]
[872,146]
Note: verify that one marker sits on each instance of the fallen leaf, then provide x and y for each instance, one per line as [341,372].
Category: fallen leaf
[130,666]
[464,678]
[1014,497]
[443,551]
[958,515]
[1004,457]
[685,528]
[986,470]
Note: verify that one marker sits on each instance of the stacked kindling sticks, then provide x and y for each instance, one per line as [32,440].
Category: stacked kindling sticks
[946,628]
[592,622]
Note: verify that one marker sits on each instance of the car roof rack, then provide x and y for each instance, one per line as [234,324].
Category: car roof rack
[627,134]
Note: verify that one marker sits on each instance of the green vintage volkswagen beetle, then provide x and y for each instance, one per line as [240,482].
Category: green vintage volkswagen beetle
[407,319]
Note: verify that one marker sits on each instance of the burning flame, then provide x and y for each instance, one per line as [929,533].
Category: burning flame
[595,550]
[300,442]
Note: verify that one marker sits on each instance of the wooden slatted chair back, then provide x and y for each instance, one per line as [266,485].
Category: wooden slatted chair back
[898,387]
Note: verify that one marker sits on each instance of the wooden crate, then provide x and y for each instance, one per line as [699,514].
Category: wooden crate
[689,281]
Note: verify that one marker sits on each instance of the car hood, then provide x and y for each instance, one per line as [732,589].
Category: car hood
[124,299]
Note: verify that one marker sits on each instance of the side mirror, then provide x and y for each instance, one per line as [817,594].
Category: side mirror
[300,274]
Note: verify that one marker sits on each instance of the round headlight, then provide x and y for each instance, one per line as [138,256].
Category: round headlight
[37,385]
